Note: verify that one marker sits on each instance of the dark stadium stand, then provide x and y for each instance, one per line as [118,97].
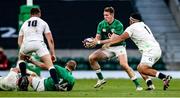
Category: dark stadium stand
[70,23]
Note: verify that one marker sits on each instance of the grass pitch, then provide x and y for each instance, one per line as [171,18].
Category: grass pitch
[113,88]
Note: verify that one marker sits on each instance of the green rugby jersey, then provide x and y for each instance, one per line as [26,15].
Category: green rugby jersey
[63,75]
[33,67]
[104,28]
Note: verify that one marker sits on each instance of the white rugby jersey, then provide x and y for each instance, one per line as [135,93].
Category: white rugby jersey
[142,36]
[33,29]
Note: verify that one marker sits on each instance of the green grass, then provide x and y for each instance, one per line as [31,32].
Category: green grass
[113,88]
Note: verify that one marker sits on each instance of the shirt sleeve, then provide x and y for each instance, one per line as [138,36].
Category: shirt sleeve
[99,28]
[47,30]
[129,31]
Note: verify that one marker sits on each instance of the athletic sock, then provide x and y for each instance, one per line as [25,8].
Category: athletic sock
[135,81]
[160,75]
[22,67]
[99,74]
[149,82]
[53,74]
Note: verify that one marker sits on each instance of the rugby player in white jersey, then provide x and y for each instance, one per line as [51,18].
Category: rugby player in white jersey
[150,49]
[31,39]
[10,82]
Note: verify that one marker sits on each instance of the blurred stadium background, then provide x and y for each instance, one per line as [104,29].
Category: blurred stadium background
[71,21]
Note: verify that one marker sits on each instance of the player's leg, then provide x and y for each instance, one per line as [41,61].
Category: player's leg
[22,82]
[120,52]
[149,82]
[49,65]
[93,60]
[145,67]
[24,50]
[22,64]
[124,63]
[43,53]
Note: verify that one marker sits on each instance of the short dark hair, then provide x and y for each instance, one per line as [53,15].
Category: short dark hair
[71,64]
[35,11]
[109,9]
[137,16]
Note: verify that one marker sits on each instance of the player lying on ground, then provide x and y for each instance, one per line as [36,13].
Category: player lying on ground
[12,82]
[66,80]
[9,82]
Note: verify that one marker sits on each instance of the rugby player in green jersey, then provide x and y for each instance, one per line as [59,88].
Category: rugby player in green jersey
[66,80]
[110,28]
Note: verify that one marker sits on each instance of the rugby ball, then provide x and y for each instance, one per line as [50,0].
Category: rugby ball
[87,42]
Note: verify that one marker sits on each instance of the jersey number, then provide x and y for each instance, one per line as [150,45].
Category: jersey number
[32,23]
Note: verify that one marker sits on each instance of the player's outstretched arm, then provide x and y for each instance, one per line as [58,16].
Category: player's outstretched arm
[51,45]
[115,39]
[37,63]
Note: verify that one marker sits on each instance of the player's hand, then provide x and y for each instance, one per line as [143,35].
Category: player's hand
[53,58]
[94,43]
[89,43]
[28,58]
[106,45]
[58,87]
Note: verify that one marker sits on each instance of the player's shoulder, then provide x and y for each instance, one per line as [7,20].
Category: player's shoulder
[57,66]
[137,24]
[117,23]
[41,20]
[102,22]
[38,19]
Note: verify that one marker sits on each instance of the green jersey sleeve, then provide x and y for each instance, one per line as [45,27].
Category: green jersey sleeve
[99,28]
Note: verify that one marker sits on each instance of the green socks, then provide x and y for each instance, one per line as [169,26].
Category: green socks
[99,74]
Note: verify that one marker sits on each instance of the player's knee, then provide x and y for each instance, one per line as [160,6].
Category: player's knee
[140,68]
[21,63]
[92,58]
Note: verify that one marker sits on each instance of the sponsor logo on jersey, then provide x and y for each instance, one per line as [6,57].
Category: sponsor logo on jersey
[104,30]
[112,30]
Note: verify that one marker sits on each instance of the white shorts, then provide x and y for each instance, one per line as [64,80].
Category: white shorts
[151,57]
[8,82]
[114,51]
[34,46]
[38,84]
